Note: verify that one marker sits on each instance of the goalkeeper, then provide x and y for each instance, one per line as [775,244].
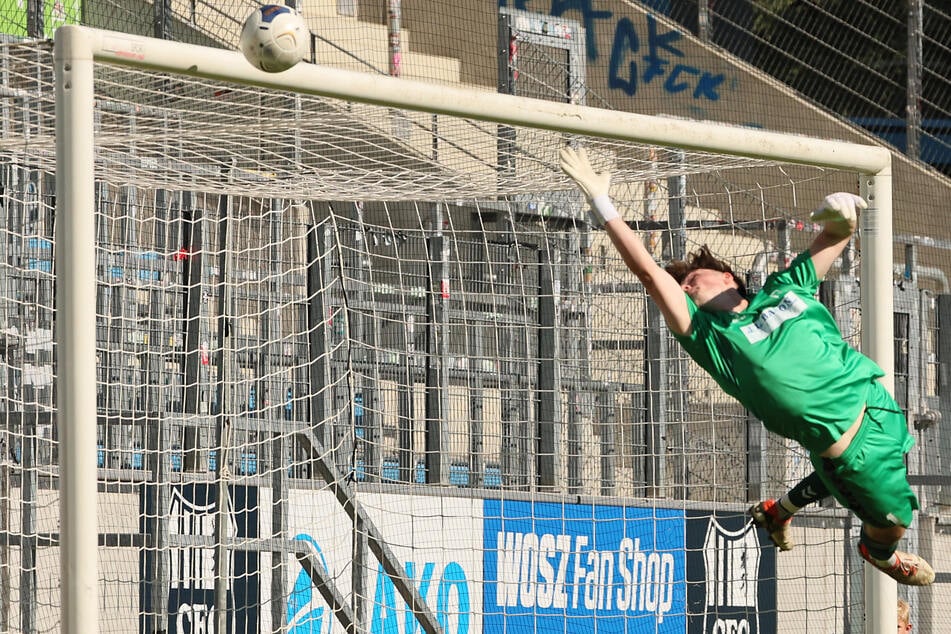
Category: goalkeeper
[781,354]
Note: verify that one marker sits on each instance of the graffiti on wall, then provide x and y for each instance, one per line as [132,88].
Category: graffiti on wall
[641,55]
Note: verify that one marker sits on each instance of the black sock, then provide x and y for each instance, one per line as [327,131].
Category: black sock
[877,550]
[810,489]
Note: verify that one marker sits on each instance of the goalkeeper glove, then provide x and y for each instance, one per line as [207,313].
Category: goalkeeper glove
[594,185]
[841,210]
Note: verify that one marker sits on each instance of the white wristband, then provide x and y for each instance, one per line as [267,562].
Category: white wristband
[604,209]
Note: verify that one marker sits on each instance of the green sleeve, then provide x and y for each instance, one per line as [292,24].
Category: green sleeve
[801,273]
[695,342]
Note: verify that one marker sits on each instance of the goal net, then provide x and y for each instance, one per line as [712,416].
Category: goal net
[365,367]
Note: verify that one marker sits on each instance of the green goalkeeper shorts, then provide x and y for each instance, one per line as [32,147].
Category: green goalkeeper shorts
[870,477]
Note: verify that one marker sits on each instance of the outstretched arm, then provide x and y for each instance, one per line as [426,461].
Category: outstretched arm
[840,213]
[660,285]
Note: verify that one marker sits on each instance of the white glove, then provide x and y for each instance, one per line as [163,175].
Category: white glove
[841,210]
[595,186]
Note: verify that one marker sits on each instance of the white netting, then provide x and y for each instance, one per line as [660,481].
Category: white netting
[158,131]
[467,354]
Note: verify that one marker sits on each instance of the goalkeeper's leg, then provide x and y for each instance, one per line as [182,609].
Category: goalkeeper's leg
[879,547]
[775,516]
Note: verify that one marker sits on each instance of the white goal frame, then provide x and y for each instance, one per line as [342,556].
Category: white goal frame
[78,48]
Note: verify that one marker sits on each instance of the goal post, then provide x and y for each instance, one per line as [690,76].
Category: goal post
[76,292]
[78,50]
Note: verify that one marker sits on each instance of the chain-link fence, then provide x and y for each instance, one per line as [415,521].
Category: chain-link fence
[883,65]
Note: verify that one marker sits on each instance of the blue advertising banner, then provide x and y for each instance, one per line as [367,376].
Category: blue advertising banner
[605,569]
[583,568]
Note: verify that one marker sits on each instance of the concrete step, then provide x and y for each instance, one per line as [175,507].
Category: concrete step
[346,42]
[326,8]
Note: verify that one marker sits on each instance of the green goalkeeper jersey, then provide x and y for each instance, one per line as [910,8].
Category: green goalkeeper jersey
[784,359]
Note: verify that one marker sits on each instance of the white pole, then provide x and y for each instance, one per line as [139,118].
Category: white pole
[393,92]
[76,332]
[394,20]
[878,342]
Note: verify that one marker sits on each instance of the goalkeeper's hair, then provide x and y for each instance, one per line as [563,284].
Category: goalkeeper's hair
[703,259]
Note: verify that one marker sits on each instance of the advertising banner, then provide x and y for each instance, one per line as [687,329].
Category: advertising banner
[192,571]
[436,540]
[731,575]
[598,568]
[583,568]
[482,566]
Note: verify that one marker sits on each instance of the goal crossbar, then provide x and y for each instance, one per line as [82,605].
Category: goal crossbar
[78,48]
[322,81]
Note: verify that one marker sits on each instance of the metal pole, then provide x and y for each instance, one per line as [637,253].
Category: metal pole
[677,202]
[226,406]
[477,413]
[406,409]
[437,331]
[319,379]
[703,20]
[76,332]
[548,416]
[943,310]
[606,418]
[656,359]
[394,18]
[28,504]
[34,19]
[913,95]
[196,354]
[162,19]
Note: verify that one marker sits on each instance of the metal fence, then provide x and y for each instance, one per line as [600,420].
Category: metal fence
[885,66]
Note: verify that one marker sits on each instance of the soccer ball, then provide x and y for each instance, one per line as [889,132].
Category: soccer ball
[274,38]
